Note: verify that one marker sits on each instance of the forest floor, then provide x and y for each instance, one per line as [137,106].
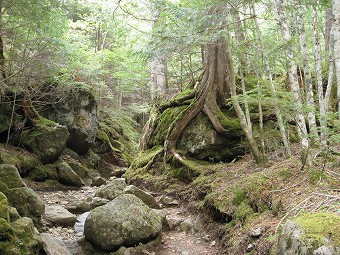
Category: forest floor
[267,198]
[172,242]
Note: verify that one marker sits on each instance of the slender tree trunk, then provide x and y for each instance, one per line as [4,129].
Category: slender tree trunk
[318,71]
[307,75]
[159,79]
[292,73]
[336,34]
[240,38]
[260,159]
[272,89]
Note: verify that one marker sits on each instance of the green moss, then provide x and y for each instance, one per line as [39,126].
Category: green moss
[285,173]
[243,212]
[315,176]
[240,195]
[317,226]
[165,122]
[22,159]
[4,209]
[39,173]
[6,230]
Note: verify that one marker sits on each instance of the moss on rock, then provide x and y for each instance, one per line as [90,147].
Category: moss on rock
[4,209]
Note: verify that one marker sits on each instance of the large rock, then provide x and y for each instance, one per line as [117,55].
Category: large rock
[67,176]
[200,140]
[27,202]
[58,215]
[4,209]
[112,190]
[125,221]
[54,246]
[46,139]
[78,111]
[6,119]
[316,234]
[22,159]
[147,198]
[10,176]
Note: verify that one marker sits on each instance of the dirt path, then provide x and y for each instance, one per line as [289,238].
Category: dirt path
[174,241]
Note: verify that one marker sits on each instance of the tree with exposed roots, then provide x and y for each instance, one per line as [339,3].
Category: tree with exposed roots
[217,84]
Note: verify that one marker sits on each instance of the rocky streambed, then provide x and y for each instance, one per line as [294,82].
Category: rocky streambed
[180,233]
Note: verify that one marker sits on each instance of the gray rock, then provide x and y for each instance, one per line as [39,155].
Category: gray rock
[173,221]
[256,233]
[147,198]
[6,120]
[79,225]
[112,190]
[82,206]
[300,236]
[250,247]
[54,246]
[168,201]
[198,224]
[73,247]
[46,140]
[68,176]
[13,214]
[125,221]
[187,225]
[10,176]
[201,140]
[27,202]
[58,215]
[78,111]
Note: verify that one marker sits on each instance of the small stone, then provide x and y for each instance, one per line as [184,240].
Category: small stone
[185,253]
[213,243]
[256,232]
[250,247]
[206,238]
[187,225]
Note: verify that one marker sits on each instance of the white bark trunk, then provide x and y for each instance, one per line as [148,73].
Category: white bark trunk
[307,75]
[336,34]
[292,73]
[272,89]
[318,71]
[158,78]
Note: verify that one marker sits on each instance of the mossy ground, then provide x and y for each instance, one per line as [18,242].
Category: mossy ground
[244,196]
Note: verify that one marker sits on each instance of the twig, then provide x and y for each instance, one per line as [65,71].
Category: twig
[279,190]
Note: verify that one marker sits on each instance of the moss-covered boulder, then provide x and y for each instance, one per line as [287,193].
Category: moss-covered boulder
[10,176]
[112,190]
[200,140]
[311,233]
[125,221]
[19,237]
[27,202]
[8,121]
[46,140]
[68,176]
[22,159]
[4,208]
[78,111]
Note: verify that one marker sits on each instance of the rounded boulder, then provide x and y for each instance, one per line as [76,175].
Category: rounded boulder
[125,221]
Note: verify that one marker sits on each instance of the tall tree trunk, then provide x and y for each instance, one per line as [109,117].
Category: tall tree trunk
[2,56]
[308,85]
[260,159]
[318,71]
[292,73]
[336,34]
[159,79]
[240,39]
[272,88]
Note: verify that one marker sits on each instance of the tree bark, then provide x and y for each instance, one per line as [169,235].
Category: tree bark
[336,50]
[308,85]
[272,88]
[318,71]
[292,73]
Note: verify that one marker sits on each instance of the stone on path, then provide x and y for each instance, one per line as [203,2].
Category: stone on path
[58,215]
[54,246]
[125,221]
[112,190]
[79,225]
[147,198]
